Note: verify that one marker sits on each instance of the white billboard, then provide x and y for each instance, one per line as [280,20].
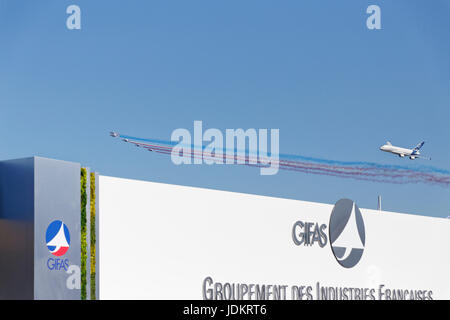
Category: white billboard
[160,241]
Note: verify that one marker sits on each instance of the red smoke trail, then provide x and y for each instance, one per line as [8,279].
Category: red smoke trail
[374,174]
[308,170]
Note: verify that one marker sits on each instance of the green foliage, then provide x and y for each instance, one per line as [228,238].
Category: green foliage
[83,233]
[93,236]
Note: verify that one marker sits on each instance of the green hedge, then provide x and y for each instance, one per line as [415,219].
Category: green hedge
[83,233]
[93,236]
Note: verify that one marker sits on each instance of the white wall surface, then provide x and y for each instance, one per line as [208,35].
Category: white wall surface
[160,241]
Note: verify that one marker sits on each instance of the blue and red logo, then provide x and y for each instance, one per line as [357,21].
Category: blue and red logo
[57,238]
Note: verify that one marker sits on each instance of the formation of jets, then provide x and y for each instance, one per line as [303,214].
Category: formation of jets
[404,152]
[115,135]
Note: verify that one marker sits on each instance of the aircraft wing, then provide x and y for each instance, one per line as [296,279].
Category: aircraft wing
[421,157]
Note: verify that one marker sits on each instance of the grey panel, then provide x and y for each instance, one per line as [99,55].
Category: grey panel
[57,197]
[16,228]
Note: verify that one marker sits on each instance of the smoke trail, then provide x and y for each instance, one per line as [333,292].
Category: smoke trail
[358,170]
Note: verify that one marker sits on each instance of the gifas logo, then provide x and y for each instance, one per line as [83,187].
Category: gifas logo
[57,238]
[347,233]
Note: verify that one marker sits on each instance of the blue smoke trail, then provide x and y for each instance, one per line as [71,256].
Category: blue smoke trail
[363,164]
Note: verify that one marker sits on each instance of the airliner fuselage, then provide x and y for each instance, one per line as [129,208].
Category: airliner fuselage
[402,152]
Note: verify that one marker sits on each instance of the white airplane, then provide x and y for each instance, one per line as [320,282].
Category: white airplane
[402,152]
[113,134]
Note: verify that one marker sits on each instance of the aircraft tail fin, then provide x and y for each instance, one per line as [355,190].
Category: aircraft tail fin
[417,148]
[389,143]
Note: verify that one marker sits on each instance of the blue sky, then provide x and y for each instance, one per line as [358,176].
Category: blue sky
[335,89]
